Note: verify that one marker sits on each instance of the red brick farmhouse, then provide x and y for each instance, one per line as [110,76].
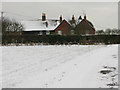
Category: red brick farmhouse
[84,27]
[64,28]
[59,27]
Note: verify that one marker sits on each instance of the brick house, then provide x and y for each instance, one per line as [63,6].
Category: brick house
[64,28]
[41,26]
[84,27]
[58,27]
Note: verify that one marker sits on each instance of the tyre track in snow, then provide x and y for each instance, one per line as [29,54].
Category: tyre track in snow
[54,58]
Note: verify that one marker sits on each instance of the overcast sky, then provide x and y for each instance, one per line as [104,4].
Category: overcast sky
[102,14]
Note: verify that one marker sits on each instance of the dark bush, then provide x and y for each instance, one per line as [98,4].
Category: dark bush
[56,39]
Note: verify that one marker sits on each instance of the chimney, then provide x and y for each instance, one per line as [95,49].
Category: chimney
[43,17]
[73,18]
[80,18]
[85,16]
[60,18]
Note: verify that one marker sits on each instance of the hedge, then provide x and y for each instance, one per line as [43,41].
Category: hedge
[56,39]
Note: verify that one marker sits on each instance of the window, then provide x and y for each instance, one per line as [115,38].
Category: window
[86,31]
[48,32]
[40,33]
[59,32]
[72,32]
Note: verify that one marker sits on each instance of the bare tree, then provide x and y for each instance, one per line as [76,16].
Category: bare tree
[100,32]
[11,26]
[108,31]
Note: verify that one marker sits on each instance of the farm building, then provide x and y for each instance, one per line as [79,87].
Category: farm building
[41,26]
[58,27]
[84,27]
[64,28]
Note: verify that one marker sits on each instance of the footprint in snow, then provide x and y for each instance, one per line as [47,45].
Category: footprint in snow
[46,84]
[63,72]
[46,69]
[54,78]
[59,79]
[114,56]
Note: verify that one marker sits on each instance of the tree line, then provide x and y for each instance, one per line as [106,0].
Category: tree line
[13,26]
[10,26]
[108,31]
[60,39]
[12,33]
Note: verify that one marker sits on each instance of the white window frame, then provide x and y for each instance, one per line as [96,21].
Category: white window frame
[87,32]
[59,32]
[40,33]
[72,32]
[47,32]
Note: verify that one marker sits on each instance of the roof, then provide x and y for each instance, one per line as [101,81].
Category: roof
[62,22]
[88,22]
[39,25]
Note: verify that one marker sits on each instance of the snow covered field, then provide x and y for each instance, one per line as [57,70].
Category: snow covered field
[75,66]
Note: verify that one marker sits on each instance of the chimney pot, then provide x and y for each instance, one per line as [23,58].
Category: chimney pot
[43,17]
[85,16]
[80,17]
[60,18]
[73,18]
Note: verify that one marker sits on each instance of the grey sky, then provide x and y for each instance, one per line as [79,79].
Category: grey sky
[102,14]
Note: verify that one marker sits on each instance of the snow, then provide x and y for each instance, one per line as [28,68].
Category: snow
[58,66]
[0,68]
[39,25]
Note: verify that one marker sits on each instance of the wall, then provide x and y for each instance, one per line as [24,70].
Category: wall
[81,27]
[64,27]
